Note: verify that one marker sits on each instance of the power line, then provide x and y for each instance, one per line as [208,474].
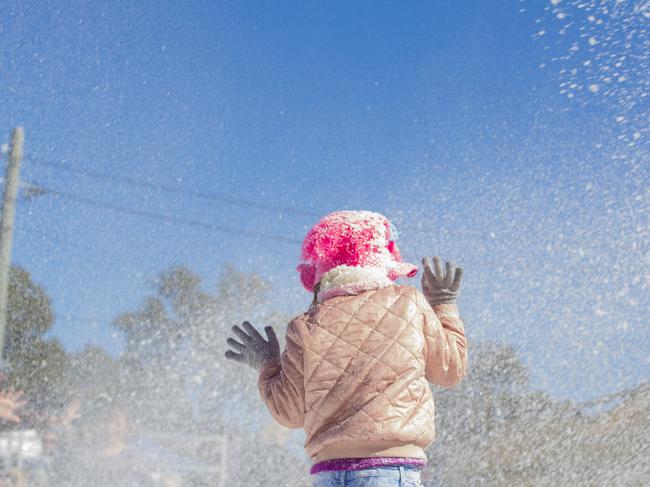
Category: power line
[222,199]
[169,218]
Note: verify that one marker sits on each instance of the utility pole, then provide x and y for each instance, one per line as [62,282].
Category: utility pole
[7,226]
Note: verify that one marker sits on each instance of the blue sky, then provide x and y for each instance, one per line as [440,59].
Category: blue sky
[451,117]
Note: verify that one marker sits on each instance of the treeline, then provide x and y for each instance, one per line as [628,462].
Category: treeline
[172,378]
[493,430]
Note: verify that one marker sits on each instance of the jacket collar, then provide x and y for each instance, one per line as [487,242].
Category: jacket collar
[348,280]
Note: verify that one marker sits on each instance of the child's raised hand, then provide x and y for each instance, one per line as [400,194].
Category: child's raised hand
[10,401]
[439,287]
[255,349]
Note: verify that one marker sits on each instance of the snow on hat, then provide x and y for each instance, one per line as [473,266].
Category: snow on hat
[351,238]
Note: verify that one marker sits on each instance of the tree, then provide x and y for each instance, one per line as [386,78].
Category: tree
[566,444]
[176,342]
[486,406]
[37,365]
[181,381]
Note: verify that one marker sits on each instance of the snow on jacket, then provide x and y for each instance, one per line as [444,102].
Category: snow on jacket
[355,369]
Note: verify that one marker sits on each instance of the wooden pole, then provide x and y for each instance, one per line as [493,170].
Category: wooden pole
[6,228]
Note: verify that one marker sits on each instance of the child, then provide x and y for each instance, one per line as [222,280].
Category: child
[355,368]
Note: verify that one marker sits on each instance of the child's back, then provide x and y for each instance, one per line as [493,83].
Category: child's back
[356,370]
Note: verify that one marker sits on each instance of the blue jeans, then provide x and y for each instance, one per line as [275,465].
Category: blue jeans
[370,477]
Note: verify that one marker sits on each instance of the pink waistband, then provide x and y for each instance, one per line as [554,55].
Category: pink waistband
[362,463]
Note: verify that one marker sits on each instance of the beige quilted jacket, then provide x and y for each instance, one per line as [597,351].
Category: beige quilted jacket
[355,370]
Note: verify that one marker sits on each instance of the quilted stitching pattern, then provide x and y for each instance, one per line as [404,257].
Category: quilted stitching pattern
[365,361]
[372,341]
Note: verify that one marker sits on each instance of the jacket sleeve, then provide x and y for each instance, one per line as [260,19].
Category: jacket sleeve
[281,382]
[445,344]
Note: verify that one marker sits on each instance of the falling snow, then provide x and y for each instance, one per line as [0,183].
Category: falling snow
[613,61]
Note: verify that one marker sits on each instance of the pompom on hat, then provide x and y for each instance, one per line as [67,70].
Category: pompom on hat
[361,239]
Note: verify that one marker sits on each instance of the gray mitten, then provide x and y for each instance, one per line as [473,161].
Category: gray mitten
[255,349]
[439,287]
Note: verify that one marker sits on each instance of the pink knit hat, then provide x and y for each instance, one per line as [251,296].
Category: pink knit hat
[352,238]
